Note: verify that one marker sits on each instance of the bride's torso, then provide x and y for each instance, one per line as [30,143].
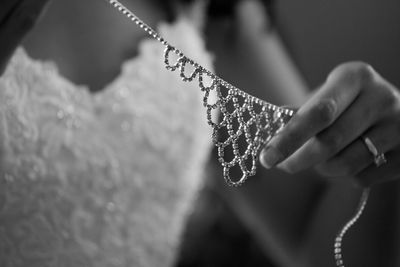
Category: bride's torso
[101,179]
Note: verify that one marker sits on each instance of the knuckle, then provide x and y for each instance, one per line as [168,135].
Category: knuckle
[389,99]
[325,111]
[355,72]
[363,71]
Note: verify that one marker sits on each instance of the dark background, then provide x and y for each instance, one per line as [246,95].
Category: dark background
[321,34]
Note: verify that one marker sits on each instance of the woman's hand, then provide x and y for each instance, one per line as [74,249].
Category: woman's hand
[328,132]
[17,18]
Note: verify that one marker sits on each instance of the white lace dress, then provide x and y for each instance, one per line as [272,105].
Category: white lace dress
[103,179]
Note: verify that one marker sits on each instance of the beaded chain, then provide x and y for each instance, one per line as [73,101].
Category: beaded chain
[339,237]
[247,121]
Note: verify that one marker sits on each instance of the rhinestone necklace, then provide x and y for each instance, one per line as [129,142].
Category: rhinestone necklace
[247,121]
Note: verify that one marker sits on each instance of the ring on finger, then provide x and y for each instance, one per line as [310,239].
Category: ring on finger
[379,157]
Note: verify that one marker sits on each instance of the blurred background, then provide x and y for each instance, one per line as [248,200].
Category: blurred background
[323,34]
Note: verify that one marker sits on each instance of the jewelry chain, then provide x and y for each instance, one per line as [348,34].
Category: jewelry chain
[339,237]
[247,121]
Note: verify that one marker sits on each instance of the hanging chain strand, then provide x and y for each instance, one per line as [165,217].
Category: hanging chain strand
[154,34]
[339,237]
[244,117]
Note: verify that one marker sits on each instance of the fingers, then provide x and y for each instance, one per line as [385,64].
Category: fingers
[355,159]
[340,90]
[15,24]
[325,132]
[325,144]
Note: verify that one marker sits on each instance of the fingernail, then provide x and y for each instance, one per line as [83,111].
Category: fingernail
[270,157]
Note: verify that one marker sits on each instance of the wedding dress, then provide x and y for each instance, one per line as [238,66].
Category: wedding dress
[103,179]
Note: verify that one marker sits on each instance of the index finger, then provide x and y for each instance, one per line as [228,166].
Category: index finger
[340,89]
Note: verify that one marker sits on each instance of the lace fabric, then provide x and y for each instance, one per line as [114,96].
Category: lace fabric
[102,179]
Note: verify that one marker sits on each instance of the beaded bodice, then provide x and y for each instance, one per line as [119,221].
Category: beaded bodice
[100,179]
